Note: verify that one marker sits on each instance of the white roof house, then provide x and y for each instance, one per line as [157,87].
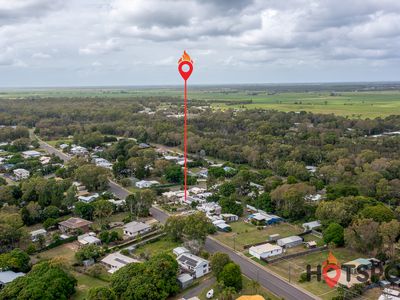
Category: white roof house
[9,276]
[142,184]
[101,162]
[44,160]
[180,250]
[78,150]
[265,250]
[36,233]
[117,202]
[290,241]
[389,294]
[134,228]
[185,280]
[311,225]
[89,239]
[116,261]
[210,208]
[229,217]
[88,199]
[21,174]
[197,266]
[31,154]
[221,225]
[313,197]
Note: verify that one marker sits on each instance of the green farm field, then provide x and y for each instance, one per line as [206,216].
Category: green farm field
[362,104]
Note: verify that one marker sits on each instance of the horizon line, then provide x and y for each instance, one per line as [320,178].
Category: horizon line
[197,85]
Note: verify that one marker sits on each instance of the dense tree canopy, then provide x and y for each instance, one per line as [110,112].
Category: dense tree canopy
[46,280]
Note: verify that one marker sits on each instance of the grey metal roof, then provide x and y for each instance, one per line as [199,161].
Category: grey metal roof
[8,276]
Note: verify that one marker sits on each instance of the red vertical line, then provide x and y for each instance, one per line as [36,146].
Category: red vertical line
[185,139]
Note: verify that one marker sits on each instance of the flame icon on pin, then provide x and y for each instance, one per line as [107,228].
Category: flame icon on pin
[185,57]
[185,61]
[330,266]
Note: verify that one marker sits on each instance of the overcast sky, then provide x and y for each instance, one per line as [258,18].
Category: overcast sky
[138,42]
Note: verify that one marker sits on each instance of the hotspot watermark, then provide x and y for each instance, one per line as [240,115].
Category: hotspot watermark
[359,271]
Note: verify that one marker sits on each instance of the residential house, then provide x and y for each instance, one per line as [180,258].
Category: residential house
[229,169]
[389,294]
[144,184]
[144,146]
[44,160]
[311,169]
[289,242]
[203,173]
[210,208]
[313,198]
[180,250]
[262,218]
[88,239]
[229,218]
[185,280]
[101,162]
[359,263]
[31,154]
[72,225]
[21,174]
[89,198]
[311,225]
[195,265]
[222,226]
[117,203]
[265,250]
[78,150]
[37,233]
[182,162]
[115,261]
[196,190]
[134,229]
[64,146]
[9,276]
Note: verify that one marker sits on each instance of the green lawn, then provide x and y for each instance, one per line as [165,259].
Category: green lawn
[352,104]
[117,217]
[66,252]
[244,233]
[298,265]
[59,141]
[160,246]
[248,289]
[85,283]
[365,104]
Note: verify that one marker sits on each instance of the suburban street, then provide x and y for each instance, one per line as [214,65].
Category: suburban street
[266,279]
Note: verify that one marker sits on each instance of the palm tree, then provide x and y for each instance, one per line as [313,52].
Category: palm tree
[255,285]
[228,293]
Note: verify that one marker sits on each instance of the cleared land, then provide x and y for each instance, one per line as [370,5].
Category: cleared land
[243,234]
[292,268]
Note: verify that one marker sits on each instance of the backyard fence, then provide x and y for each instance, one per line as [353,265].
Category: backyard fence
[293,255]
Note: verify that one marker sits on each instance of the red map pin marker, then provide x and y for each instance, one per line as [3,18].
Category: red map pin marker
[185,61]
[327,273]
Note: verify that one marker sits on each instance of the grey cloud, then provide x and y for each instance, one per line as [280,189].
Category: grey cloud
[19,10]
[136,41]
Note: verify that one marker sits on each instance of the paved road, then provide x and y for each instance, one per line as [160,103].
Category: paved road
[50,149]
[118,190]
[195,291]
[266,279]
